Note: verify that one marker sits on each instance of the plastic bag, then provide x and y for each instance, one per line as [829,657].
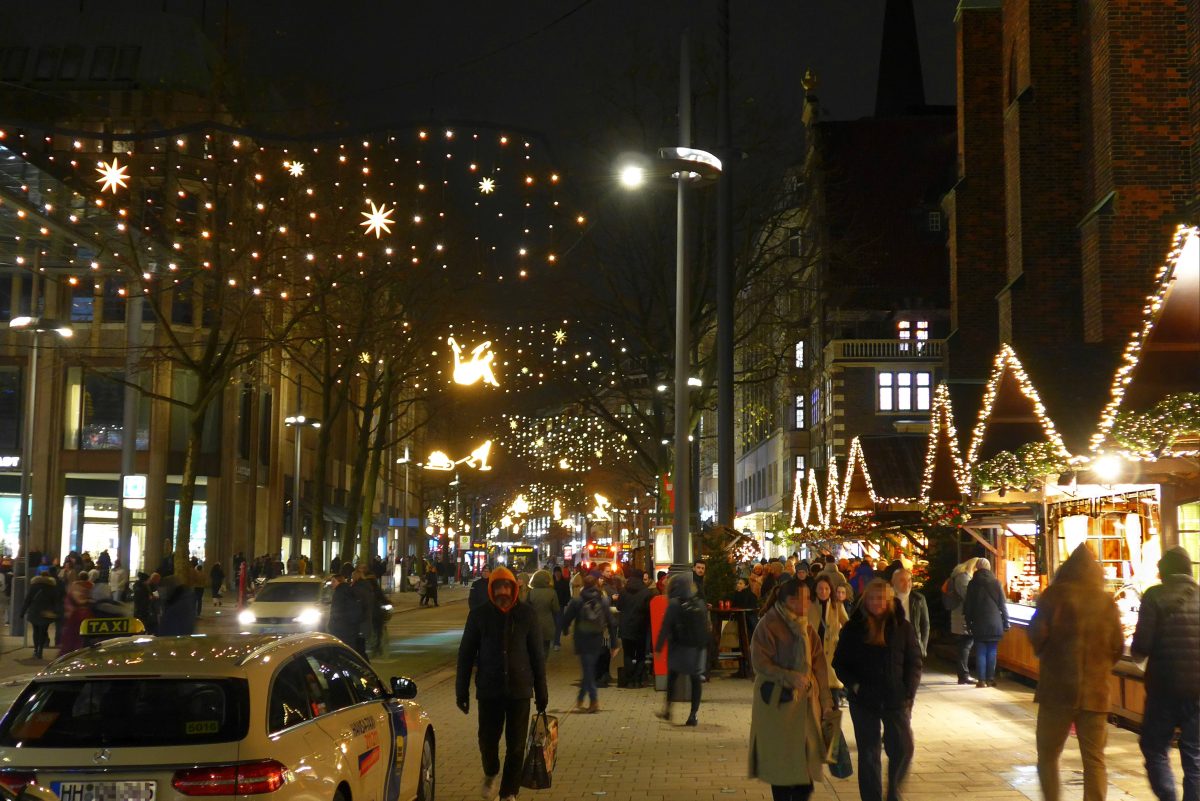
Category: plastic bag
[541,752]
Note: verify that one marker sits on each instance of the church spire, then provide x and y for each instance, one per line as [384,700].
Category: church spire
[901,87]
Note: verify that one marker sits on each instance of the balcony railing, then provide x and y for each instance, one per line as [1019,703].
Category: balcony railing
[886,349]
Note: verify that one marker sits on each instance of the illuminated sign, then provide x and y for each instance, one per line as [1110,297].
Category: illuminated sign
[475,369]
[133,492]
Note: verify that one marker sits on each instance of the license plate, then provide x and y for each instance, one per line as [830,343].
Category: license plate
[105,791]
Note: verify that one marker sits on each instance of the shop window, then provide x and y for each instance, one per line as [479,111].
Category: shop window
[10,409]
[96,410]
[83,303]
[904,391]
[1189,533]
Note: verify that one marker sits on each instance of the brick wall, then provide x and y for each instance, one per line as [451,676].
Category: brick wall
[975,208]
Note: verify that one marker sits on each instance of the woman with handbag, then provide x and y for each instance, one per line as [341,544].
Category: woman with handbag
[791,696]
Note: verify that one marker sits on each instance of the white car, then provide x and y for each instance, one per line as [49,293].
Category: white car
[152,719]
[287,605]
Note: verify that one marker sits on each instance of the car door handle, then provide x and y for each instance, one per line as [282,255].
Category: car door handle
[345,735]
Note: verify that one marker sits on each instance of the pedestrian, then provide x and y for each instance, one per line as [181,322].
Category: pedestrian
[429,586]
[863,575]
[771,575]
[478,594]
[756,581]
[954,592]
[685,633]
[118,581]
[916,610]
[80,594]
[743,597]
[842,594]
[1076,634]
[879,661]
[827,617]
[380,608]
[178,615]
[986,611]
[502,643]
[594,624]
[698,571]
[362,590]
[1168,636]
[345,611]
[791,696]
[143,601]
[562,587]
[544,601]
[633,609]
[41,608]
[216,576]
[660,582]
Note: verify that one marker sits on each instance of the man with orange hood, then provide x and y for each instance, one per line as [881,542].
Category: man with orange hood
[502,642]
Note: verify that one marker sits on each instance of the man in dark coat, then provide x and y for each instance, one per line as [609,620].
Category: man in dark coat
[634,607]
[986,611]
[1168,635]
[370,610]
[502,643]
[345,609]
[478,596]
[684,658]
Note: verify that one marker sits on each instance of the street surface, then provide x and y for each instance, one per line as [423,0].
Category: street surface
[972,744]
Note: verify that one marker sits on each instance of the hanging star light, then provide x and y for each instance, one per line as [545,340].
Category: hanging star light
[295,168]
[113,176]
[379,218]
[487,186]
[560,336]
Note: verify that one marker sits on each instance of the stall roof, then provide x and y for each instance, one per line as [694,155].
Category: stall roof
[1012,414]
[942,477]
[895,463]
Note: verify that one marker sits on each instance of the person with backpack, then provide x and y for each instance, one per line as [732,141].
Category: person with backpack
[686,634]
[593,621]
[986,610]
[954,592]
[634,608]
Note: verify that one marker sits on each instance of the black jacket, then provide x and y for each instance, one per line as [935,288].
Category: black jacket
[562,586]
[985,607]
[633,604]
[505,650]
[478,596]
[879,678]
[43,604]
[345,614]
[1168,632]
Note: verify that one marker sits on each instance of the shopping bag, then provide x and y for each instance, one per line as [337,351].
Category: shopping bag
[843,768]
[541,752]
[837,752]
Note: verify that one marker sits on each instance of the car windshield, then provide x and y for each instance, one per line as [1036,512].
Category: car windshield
[128,712]
[283,592]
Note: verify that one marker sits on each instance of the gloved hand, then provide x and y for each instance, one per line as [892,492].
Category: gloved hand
[541,706]
[464,704]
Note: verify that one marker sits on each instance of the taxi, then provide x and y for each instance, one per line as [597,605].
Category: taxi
[158,718]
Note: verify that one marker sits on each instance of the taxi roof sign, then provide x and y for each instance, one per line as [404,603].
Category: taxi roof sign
[110,626]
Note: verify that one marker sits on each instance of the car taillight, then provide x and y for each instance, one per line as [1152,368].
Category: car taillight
[16,780]
[252,778]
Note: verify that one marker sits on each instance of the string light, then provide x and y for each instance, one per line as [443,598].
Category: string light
[1006,363]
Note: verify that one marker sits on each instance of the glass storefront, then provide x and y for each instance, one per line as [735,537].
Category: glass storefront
[1189,533]
[90,525]
[1022,580]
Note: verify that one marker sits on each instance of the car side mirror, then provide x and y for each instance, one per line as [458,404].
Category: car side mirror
[404,688]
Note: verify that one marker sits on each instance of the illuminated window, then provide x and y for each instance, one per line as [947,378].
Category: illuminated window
[800,353]
[904,391]
[800,411]
[800,466]
[816,406]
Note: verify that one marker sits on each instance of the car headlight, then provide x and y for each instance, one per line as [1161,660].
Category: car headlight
[308,617]
[387,607]
[246,617]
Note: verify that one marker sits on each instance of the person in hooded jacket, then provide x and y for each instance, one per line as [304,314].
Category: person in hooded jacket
[682,659]
[1076,633]
[502,645]
[986,612]
[544,601]
[478,596]
[593,620]
[879,662]
[345,609]
[41,608]
[633,606]
[1168,636]
[956,584]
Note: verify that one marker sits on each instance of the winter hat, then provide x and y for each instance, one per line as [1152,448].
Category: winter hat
[500,573]
[1174,562]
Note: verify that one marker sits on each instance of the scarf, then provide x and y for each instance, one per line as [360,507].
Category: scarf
[799,629]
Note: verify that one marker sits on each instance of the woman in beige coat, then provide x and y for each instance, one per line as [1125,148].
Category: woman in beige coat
[791,697]
[826,616]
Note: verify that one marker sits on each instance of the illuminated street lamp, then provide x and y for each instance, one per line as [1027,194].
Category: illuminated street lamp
[298,422]
[36,326]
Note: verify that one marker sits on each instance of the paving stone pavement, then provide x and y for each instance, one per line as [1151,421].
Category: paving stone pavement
[971,744]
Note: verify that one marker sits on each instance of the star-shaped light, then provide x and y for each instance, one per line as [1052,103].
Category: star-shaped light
[560,336]
[378,219]
[112,176]
[513,424]
[295,168]
[487,186]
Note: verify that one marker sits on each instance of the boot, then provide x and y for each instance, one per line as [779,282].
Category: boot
[593,707]
[665,714]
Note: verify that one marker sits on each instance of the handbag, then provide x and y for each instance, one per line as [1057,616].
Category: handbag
[837,752]
[541,752]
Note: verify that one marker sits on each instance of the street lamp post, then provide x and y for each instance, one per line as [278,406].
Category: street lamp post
[406,461]
[36,326]
[298,422]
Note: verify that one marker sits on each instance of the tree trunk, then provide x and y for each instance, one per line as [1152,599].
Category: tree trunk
[187,491]
[357,474]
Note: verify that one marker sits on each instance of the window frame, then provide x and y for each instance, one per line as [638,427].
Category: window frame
[903,391]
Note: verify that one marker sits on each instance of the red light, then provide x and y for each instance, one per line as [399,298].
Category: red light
[16,780]
[253,778]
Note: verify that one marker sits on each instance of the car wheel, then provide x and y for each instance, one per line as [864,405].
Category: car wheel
[426,781]
[340,796]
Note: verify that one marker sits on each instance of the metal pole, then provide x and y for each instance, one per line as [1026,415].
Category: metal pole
[403,582]
[298,429]
[725,320]
[16,623]
[129,420]
[681,538]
